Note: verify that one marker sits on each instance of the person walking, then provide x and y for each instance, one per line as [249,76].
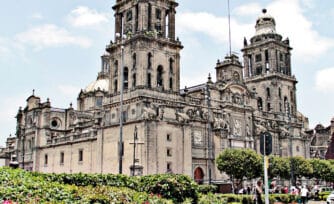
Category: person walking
[258,193]
[303,194]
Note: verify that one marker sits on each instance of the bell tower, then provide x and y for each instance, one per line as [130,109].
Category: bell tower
[145,34]
[267,68]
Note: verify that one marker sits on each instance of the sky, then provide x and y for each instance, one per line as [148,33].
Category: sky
[54,48]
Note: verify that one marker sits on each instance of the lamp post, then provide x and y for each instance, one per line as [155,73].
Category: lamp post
[120,145]
[208,97]
[290,147]
[135,138]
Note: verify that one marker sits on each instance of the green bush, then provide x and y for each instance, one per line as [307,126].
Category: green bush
[211,198]
[27,187]
[169,186]
[323,195]
[205,189]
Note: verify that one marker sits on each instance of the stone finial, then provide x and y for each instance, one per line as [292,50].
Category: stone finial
[71,105]
[209,78]
[33,92]
[264,11]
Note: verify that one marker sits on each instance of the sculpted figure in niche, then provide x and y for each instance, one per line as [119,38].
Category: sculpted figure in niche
[182,117]
[218,123]
[149,113]
[237,127]
[161,113]
[190,113]
[259,128]
[248,132]
[284,132]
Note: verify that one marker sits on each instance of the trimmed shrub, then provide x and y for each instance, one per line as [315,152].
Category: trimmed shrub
[169,186]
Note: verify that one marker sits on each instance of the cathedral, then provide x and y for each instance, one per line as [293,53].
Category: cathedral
[135,119]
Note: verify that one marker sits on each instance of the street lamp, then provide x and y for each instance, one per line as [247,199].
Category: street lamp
[120,145]
[135,138]
[291,147]
[208,98]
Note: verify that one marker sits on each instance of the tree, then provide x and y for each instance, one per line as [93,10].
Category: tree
[321,169]
[300,167]
[240,164]
[279,166]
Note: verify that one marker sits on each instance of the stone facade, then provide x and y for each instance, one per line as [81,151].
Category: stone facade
[163,128]
[322,141]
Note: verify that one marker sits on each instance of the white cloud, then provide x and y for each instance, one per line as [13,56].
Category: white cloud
[324,80]
[68,90]
[50,35]
[251,9]
[291,22]
[83,16]
[213,26]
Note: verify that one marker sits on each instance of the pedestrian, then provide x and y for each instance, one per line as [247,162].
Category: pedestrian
[258,193]
[303,194]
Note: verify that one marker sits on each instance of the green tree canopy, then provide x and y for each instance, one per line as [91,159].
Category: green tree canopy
[300,167]
[321,169]
[279,166]
[240,163]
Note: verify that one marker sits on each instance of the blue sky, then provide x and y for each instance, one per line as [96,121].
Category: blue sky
[54,47]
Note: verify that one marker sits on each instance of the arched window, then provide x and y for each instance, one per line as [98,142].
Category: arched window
[171,83]
[268,107]
[280,93]
[149,60]
[134,61]
[268,92]
[126,78]
[159,76]
[134,80]
[167,24]
[286,105]
[198,175]
[115,86]
[171,65]
[259,104]
[116,68]
[149,83]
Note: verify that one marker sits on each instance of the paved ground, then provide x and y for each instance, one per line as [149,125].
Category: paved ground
[316,202]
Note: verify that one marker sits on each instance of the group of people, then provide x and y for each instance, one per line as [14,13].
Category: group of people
[302,191]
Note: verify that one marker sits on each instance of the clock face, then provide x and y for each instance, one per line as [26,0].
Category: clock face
[198,138]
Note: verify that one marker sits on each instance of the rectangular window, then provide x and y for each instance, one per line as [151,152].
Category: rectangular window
[169,137]
[169,152]
[258,70]
[62,155]
[125,116]
[281,57]
[158,14]
[80,158]
[258,58]
[266,53]
[169,166]
[99,100]
[129,16]
[45,159]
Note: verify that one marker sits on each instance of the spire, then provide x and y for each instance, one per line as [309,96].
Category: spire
[265,24]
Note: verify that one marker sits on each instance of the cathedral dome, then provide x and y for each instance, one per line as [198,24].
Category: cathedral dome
[102,83]
[265,24]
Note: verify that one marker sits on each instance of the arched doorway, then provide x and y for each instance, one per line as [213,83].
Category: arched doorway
[198,175]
